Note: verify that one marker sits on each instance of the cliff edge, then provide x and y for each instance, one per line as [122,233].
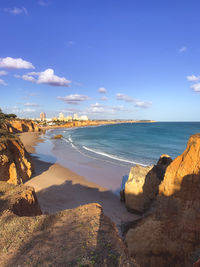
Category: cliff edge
[19,126]
[83,236]
[170,235]
[16,166]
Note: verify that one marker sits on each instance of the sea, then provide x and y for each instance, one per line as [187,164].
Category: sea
[104,154]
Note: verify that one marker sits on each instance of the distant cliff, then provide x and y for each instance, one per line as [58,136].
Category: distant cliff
[16,166]
[92,123]
[170,234]
[19,126]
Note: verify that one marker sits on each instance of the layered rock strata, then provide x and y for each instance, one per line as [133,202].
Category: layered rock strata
[19,126]
[170,236]
[16,166]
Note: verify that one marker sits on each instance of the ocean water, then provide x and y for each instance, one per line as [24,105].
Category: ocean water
[128,144]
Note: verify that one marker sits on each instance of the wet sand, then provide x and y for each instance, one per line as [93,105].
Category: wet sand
[60,188]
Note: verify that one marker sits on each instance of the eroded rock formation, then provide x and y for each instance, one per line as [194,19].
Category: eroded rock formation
[134,197]
[83,236]
[19,126]
[142,185]
[16,166]
[21,200]
[170,236]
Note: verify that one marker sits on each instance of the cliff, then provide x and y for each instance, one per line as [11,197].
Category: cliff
[142,185]
[16,166]
[83,236]
[20,200]
[170,235]
[19,126]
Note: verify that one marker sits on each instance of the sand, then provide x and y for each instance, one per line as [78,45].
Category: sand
[59,188]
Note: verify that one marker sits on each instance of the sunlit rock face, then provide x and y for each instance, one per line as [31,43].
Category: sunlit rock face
[19,126]
[143,183]
[134,197]
[16,166]
[170,235]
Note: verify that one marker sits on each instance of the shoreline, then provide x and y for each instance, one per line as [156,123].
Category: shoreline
[89,123]
[59,188]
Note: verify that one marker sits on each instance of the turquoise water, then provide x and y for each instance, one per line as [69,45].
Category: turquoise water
[128,144]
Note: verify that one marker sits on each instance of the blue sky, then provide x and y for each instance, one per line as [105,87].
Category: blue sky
[126,59]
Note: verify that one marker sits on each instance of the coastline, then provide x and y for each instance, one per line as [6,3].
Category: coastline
[93,123]
[58,188]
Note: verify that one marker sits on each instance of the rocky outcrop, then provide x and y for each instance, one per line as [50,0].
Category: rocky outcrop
[134,197]
[58,136]
[21,200]
[170,236]
[16,166]
[19,126]
[83,236]
[142,185]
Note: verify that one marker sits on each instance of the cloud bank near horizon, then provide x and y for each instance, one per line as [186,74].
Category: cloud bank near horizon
[137,103]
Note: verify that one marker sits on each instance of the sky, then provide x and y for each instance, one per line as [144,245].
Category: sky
[108,59]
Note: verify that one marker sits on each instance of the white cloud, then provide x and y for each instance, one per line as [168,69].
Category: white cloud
[28,104]
[43,3]
[98,108]
[71,110]
[102,90]
[118,108]
[74,99]
[196,87]
[124,97]
[2,82]
[16,10]
[137,103]
[46,77]
[15,63]
[96,105]
[3,72]
[95,110]
[104,98]
[193,78]
[17,76]
[70,43]
[17,110]
[27,78]
[28,110]
[182,49]
[143,104]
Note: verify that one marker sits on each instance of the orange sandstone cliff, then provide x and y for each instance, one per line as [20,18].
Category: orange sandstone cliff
[170,234]
[16,166]
[83,236]
[143,183]
[19,126]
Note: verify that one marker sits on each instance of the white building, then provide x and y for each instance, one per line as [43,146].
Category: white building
[75,118]
[61,117]
[83,118]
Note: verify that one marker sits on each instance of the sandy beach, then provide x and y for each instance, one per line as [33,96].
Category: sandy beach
[59,188]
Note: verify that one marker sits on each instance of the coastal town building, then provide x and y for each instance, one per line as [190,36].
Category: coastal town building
[75,118]
[69,118]
[83,118]
[43,116]
[61,117]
